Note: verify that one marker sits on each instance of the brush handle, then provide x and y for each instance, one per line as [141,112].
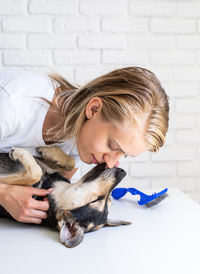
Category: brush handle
[119,192]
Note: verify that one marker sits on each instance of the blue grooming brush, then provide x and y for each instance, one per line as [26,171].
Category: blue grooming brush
[147,200]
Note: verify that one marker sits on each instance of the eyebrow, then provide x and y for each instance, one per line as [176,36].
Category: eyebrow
[122,149]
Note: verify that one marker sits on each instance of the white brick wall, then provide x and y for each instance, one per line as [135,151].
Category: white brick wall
[82,39]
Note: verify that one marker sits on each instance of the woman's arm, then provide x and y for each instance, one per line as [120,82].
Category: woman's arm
[69,174]
[18,201]
[2,192]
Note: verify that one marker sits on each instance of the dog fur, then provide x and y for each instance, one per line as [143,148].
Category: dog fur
[74,209]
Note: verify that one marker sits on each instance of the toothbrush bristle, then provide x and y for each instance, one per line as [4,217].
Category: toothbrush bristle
[156,200]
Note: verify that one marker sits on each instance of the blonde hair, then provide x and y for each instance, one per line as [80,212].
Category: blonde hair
[132,93]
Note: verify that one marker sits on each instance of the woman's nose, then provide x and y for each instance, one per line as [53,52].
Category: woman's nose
[112,159]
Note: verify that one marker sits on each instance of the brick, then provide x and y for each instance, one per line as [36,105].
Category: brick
[27,23]
[198,120]
[184,184]
[13,41]
[103,7]
[187,73]
[181,121]
[150,8]
[53,7]
[124,57]
[162,72]
[152,169]
[172,57]
[195,196]
[198,152]
[172,102]
[51,41]
[169,25]
[27,57]
[188,169]
[197,184]
[181,90]
[36,68]
[174,153]
[144,157]
[13,7]
[198,57]
[90,72]
[188,105]
[76,23]
[140,183]
[162,182]
[188,42]
[77,57]
[102,41]
[125,24]
[151,41]
[170,138]
[188,9]
[66,71]
[188,136]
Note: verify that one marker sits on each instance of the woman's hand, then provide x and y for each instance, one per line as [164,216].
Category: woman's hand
[18,201]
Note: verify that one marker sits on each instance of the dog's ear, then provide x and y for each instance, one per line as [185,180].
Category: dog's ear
[71,233]
[116,222]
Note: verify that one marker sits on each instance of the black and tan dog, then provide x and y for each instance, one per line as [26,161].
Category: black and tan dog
[74,208]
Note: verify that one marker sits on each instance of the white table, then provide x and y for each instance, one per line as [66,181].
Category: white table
[163,239]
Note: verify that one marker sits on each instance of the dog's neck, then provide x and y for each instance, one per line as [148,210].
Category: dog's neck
[49,181]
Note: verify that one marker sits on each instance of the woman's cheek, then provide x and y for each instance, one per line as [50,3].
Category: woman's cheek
[99,147]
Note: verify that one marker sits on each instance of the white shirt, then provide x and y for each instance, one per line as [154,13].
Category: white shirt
[22,114]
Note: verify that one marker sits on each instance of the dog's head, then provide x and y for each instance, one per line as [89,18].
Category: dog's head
[83,206]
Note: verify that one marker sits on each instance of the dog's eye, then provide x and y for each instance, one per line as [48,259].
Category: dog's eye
[98,199]
[94,201]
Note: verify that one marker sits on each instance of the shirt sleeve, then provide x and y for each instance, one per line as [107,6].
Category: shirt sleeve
[77,160]
[7,116]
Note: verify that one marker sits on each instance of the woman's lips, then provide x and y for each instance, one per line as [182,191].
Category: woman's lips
[94,160]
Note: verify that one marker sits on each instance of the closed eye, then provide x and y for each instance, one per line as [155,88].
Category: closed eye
[94,201]
[111,148]
[98,199]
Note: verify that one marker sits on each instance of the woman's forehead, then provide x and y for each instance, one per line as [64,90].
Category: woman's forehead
[130,139]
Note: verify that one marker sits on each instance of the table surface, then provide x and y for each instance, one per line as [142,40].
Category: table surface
[162,239]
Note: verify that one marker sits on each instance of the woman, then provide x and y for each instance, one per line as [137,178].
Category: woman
[122,113]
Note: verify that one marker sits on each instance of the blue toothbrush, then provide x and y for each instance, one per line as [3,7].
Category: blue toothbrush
[147,200]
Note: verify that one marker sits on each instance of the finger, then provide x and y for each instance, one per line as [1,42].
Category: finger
[40,205]
[32,220]
[117,164]
[37,214]
[41,192]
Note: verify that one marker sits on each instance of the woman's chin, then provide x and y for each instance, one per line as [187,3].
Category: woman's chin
[86,159]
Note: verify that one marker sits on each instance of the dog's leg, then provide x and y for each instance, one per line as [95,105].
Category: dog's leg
[58,157]
[31,172]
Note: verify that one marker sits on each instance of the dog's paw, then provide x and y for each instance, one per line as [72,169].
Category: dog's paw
[57,156]
[16,153]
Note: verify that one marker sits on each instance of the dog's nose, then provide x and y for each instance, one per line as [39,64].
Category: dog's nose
[101,166]
[120,174]
[94,173]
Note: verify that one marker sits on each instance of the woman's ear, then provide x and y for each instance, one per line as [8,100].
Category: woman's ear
[94,106]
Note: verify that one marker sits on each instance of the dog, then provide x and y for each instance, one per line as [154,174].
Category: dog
[74,209]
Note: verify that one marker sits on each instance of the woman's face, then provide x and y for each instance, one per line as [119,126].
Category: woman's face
[101,141]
